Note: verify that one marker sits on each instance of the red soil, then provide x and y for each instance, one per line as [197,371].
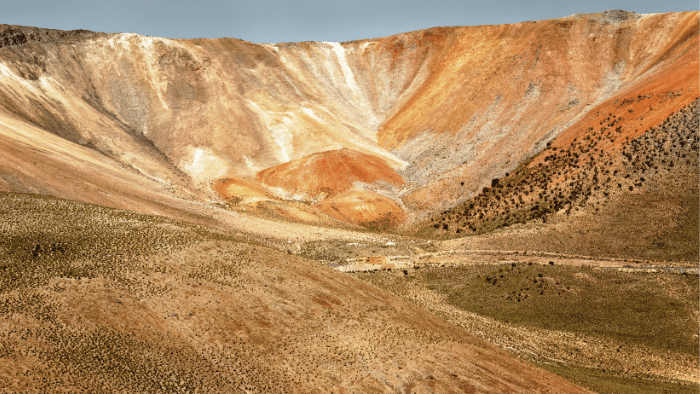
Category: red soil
[328,173]
[483,63]
[239,188]
[363,208]
[647,102]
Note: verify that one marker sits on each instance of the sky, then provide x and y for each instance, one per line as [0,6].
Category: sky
[272,21]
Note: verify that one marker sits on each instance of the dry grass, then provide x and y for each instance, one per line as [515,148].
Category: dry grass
[114,301]
[641,336]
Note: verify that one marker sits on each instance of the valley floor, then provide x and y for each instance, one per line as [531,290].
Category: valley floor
[608,330]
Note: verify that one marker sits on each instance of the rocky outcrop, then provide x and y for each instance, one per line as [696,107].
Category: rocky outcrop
[17,35]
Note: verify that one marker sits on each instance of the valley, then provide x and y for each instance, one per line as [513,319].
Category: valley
[482,209]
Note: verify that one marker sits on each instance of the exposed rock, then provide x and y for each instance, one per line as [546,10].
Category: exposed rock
[449,109]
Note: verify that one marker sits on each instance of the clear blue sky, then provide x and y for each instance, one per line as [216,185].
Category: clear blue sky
[301,20]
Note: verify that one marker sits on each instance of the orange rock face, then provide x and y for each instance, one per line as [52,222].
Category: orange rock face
[337,181]
[504,91]
[647,102]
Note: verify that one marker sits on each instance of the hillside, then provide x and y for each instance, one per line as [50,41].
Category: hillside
[639,338]
[169,208]
[607,194]
[447,109]
[101,300]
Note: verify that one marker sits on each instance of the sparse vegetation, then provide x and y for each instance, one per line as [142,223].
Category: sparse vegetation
[101,300]
[607,382]
[385,222]
[112,301]
[634,339]
[581,177]
[639,309]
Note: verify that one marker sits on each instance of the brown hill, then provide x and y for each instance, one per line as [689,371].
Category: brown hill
[101,300]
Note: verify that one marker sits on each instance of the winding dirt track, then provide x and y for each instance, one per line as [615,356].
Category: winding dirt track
[472,257]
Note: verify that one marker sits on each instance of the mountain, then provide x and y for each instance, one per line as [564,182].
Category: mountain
[124,120]
[602,193]
[162,201]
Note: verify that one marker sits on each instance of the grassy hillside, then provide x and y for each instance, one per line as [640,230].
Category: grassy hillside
[613,332]
[100,300]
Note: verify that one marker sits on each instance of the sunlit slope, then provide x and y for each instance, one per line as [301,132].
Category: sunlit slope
[446,108]
[208,108]
[329,173]
[33,160]
[503,91]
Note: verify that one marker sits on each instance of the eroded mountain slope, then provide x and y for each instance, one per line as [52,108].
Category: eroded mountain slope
[607,191]
[505,91]
[447,108]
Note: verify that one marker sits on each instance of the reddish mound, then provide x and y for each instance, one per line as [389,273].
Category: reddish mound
[364,208]
[238,189]
[328,173]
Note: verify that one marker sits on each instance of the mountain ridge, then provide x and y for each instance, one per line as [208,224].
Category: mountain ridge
[449,108]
